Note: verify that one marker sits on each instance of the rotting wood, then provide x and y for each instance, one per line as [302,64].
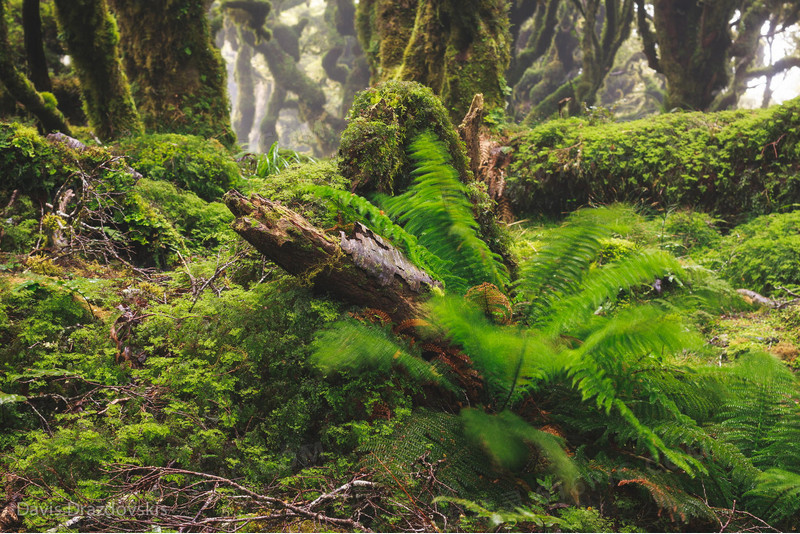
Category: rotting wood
[359,267]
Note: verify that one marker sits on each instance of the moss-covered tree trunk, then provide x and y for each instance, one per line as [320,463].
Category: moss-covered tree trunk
[22,90]
[456,47]
[91,37]
[690,46]
[177,74]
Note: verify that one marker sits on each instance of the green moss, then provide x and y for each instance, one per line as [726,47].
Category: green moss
[204,225]
[761,255]
[29,163]
[177,75]
[202,166]
[382,123]
[91,36]
[732,163]
[290,188]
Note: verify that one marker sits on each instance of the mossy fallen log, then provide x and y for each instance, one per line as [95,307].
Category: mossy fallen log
[358,266]
[732,163]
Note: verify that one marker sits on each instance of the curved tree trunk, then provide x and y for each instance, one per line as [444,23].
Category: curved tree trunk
[177,74]
[691,46]
[22,90]
[91,37]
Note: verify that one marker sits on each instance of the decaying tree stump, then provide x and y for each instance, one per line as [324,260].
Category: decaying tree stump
[358,267]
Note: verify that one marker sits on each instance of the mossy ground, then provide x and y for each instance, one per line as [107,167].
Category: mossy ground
[196,352]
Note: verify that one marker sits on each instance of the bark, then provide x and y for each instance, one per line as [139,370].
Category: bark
[177,73]
[34,45]
[457,48]
[22,90]
[469,131]
[358,267]
[693,45]
[91,37]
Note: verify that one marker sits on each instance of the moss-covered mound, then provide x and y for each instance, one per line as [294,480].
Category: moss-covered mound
[731,163]
[202,166]
[383,122]
[762,255]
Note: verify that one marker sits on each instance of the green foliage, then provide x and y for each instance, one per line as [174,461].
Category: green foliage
[731,163]
[29,163]
[436,209]
[294,187]
[202,166]
[383,121]
[202,225]
[760,255]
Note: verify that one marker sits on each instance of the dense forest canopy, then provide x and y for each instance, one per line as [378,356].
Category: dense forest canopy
[408,265]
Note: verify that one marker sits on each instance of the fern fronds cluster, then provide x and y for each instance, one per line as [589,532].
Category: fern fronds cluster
[594,372]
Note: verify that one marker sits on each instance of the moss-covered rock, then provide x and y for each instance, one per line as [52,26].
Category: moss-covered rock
[382,123]
[199,165]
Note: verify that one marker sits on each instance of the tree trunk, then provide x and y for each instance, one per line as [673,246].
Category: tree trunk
[177,74]
[245,99]
[693,42]
[457,48]
[34,45]
[22,90]
[91,37]
[359,267]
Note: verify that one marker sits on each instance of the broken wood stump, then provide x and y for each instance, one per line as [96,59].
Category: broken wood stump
[358,267]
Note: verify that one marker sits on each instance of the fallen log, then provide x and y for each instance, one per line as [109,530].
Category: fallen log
[358,267]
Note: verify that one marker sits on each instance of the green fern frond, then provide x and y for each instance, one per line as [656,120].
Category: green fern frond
[560,266]
[603,284]
[505,436]
[510,360]
[777,495]
[439,439]
[353,345]
[676,502]
[499,517]
[357,208]
[437,210]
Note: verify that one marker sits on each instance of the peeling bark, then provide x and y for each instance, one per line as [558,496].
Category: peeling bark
[359,267]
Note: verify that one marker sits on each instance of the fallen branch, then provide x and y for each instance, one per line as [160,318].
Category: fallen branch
[359,267]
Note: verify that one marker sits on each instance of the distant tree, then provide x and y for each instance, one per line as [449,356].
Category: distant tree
[707,50]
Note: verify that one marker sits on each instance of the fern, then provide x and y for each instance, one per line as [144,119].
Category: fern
[360,209]
[437,210]
[372,347]
[777,495]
